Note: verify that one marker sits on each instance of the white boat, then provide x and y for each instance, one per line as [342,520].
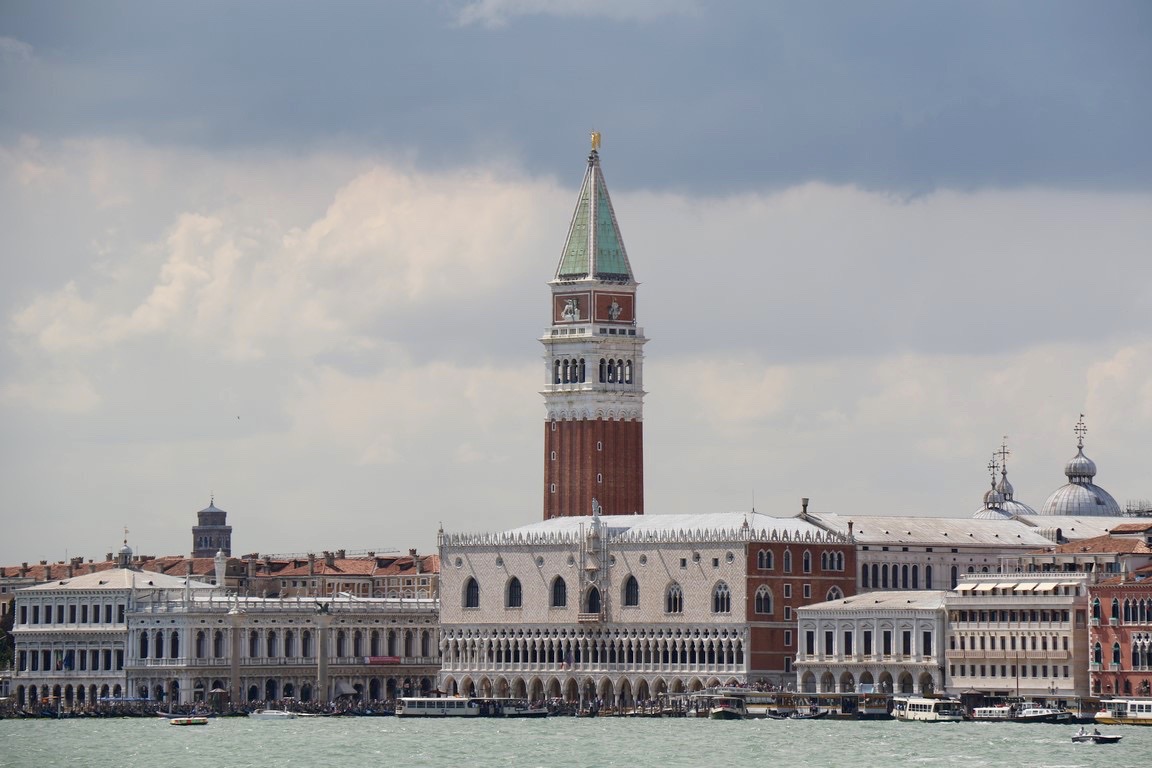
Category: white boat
[927,710]
[1036,714]
[272,714]
[431,706]
[727,708]
[1125,712]
[189,720]
[1000,713]
[1083,737]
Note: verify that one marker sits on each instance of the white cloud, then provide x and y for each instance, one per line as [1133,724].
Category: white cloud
[13,51]
[496,13]
[347,334]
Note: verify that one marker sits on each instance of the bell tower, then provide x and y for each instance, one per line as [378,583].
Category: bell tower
[593,354]
[212,533]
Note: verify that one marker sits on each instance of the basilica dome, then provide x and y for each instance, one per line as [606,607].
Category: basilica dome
[1080,496]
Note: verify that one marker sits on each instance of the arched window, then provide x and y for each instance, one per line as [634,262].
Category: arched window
[904,576]
[915,577]
[824,561]
[1116,609]
[839,561]
[674,600]
[290,643]
[341,643]
[1097,654]
[927,577]
[583,371]
[787,561]
[144,644]
[764,559]
[864,575]
[806,561]
[955,577]
[513,596]
[253,644]
[471,593]
[174,645]
[603,371]
[721,599]
[218,645]
[556,373]
[592,604]
[763,601]
[1116,655]
[306,644]
[201,644]
[559,593]
[631,591]
[834,594]
[272,649]
[1096,609]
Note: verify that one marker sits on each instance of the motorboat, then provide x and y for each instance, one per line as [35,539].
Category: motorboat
[1037,714]
[727,708]
[1095,738]
[272,714]
[189,720]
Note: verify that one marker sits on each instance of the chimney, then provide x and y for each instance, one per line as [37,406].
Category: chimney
[329,559]
[108,557]
[188,563]
[850,524]
[311,564]
[339,554]
[416,563]
[70,569]
[804,507]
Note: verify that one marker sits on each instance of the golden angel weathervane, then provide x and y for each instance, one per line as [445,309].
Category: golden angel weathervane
[596,140]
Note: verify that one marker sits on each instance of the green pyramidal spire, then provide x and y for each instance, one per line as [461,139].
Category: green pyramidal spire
[594,248]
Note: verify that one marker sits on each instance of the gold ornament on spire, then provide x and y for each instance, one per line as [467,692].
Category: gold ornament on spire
[595,140]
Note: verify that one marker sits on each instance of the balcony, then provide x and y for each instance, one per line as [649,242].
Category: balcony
[590,618]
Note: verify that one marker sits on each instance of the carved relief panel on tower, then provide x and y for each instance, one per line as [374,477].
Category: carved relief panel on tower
[615,308]
[571,308]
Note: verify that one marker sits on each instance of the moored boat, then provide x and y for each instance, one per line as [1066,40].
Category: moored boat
[1125,712]
[927,710]
[1037,714]
[272,714]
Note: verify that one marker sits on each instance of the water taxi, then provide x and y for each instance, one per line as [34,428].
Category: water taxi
[1000,713]
[452,706]
[927,710]
[727,708]
[1125,712]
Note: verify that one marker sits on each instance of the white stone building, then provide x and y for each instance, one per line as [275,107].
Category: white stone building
[1020,634]
[266,649]
[626,608]
[71,634]
[890,640]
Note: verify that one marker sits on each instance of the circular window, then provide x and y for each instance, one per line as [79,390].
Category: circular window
[499,561]
[643,559]
[539,561]
[612,559]
[695,557]
[729,557]
[459,562]
[571,560]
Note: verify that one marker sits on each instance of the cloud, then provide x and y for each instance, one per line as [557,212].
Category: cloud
[350,334]
[13,51]
[497,13]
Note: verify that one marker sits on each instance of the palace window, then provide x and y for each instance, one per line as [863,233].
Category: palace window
[721,599]
[763,600]
[559,593]
[471,593]
[513,597]
[674,600]
[631,591]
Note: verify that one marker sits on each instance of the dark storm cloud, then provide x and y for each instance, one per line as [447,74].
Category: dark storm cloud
[903,95]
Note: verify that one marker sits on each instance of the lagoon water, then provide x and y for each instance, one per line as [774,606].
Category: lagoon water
[578,742]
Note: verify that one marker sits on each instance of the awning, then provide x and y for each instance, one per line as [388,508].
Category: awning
[987,587]
[1026,586]
[345,688]
[965,587]
[1047,585]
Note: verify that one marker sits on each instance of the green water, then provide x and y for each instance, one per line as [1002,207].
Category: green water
[625,742]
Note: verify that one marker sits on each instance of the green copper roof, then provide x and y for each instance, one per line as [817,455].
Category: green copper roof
[594,248]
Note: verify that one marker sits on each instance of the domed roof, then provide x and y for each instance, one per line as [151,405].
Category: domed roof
[1081,496]
[999,503]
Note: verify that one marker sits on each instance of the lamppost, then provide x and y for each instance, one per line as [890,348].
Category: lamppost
[1053,689]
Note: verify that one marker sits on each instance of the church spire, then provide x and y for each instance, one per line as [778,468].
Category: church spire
[594,248]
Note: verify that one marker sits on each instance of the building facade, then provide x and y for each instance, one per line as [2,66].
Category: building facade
[891,641]
[623,609]
[594,367]
[1019,635]
[248,649]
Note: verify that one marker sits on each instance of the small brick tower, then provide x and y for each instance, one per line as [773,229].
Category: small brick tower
[593,433]
[212,534]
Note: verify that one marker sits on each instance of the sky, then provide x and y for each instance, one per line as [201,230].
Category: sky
[294,256]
